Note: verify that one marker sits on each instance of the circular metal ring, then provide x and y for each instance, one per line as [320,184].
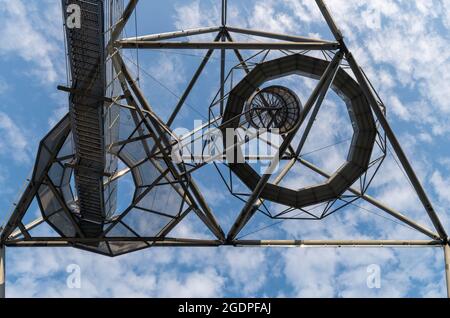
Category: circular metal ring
[360,113]
[274,107]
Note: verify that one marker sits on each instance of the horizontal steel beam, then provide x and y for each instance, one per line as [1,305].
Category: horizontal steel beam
[155,242]
[277,36]
[112,239]
[174,35]
[132,44]
[244,243]
[331,243]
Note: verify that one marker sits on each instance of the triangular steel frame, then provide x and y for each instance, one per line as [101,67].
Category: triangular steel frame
[224,41]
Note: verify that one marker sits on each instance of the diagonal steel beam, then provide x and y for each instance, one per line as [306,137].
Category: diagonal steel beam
[212,223]
[27,227]
[377,204]
[31,190]
[372,99]
[120,25]
[330,21]
[291,163]
[192,83]
[396,146]
[237,53]
[314,114]
[125,77]
[248,210]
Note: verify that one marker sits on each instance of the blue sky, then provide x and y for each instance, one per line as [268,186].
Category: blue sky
[402,45]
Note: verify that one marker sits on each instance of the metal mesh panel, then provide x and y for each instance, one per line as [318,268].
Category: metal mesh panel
[87,56]
[113,11]
[56,173]
[53,211]
[145,174]
[162,199]
[146,224]
[120,230]
[125,247]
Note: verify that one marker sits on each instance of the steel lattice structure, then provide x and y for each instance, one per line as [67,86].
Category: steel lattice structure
[112,130]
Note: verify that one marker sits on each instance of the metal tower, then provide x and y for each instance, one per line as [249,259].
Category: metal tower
[112,131]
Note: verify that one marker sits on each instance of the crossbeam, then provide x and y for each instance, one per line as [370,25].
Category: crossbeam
[321,46]
[337,243]
[275,36]
[158,241]
[174,34]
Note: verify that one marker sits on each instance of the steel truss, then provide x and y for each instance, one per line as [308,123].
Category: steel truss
[17,234]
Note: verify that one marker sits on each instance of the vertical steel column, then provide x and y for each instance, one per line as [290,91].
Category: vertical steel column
[224,12]
[223,56]
[222,76]
[2,272]
[447,267]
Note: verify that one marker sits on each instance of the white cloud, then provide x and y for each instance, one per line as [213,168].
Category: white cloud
[44,274]
[13,143]
[441,186]
[169,70]
[195,15]
[3,86]
[246,268]
[446,11]
[206,284]
[31,36]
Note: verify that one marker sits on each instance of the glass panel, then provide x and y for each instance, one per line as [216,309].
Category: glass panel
[67,149]
[119,230]
[127,123]
[145,224]
[126,247]
[54,138]
[48,200]
[56,174]
[145,174]
[135,152]
[41,163]
[63,224]
[164,199]
[102,247]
